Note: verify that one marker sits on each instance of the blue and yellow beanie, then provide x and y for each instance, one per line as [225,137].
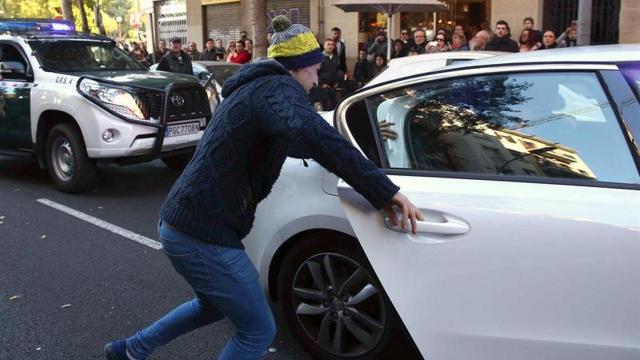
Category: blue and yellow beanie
[294,46]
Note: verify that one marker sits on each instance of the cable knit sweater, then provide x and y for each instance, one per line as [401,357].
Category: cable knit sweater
[265,115]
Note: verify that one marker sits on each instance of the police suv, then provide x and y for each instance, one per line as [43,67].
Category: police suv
[76,100]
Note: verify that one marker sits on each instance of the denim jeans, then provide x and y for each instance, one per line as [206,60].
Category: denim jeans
[226,284]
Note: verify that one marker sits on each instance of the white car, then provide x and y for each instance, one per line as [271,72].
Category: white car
[527,172]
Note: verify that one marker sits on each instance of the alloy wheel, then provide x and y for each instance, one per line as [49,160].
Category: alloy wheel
[338,305]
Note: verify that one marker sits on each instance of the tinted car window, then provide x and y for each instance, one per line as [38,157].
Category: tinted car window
[555,125]
[222,72]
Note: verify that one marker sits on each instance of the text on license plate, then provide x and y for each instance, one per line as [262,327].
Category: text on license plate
[182,129]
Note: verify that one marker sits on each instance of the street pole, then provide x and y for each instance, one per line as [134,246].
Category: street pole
[584,22]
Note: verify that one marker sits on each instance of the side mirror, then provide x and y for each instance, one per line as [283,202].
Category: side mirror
[13,67]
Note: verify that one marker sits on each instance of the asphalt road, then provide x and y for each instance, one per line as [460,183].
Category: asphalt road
[67,287]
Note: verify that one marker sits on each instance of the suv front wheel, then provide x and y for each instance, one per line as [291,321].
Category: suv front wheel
[67,162]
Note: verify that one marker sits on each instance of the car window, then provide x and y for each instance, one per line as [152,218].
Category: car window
[9,53]
[222,72]
[554,125]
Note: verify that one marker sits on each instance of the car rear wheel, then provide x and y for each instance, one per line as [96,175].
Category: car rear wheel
[332,301]
[68,164]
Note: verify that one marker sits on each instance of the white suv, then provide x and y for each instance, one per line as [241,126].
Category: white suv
[73,100]
[527,172]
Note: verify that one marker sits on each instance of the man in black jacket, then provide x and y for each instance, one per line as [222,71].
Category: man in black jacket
[502,40]
[176,60]
[329,76]
[340,48]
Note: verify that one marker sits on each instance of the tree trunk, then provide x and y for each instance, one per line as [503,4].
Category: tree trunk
[259,27]
[83,16]
[67,9]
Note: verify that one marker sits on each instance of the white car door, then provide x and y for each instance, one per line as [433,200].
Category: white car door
[530,247]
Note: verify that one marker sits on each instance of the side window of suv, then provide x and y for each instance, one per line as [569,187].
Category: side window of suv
[553,125]
[10,54]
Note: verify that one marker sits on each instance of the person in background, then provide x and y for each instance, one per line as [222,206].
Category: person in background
[269,35]
[569,37]
[249,47]
[548,40]
[379,46]
[420,41]
[176,60]
[209,53]
[240,55]
[459,29]
[380,66]
[398,50]
[341,48]
[407,41]
[220,51]
[363,71]
[329,76]
[193,51]
[231,49]
[243,35]
[440,44]
[480,40]
[536,35]
[459,42]
[528,42]
[161,50]
[502,40]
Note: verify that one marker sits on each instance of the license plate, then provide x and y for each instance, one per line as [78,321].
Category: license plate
[182,129]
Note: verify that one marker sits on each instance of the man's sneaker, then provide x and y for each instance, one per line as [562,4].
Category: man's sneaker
[116,350]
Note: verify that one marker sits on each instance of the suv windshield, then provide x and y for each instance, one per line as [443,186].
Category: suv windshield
[74,55]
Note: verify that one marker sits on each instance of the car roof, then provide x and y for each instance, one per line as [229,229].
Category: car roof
[576,54]
[414,65]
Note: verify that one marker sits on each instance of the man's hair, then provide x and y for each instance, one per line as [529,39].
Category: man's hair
[209,39]
[329,39]
[528,18]
[243,32]
[336,29]
[241,42]
[502,22]
[419,30]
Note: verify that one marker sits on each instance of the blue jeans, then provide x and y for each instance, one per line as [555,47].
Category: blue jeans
[225,283]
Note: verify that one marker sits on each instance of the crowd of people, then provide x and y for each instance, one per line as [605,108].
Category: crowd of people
[333,75]
[239,51]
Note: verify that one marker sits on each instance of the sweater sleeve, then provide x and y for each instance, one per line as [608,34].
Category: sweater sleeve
[287,114]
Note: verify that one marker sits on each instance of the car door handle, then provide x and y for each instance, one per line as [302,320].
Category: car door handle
[449,226]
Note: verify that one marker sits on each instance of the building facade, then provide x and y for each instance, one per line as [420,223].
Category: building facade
[613,21]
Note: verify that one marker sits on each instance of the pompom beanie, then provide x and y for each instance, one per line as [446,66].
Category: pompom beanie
[294,46]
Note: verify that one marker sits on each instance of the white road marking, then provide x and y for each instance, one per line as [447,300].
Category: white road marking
[102,224]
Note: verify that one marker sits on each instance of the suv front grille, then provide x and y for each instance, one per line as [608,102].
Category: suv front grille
[188,103]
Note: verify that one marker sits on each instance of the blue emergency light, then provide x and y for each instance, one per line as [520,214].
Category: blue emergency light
[36,25]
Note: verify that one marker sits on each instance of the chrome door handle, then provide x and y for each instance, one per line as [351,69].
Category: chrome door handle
[449,226]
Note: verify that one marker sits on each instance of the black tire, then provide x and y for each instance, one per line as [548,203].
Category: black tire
[79,173]
[177,162]
[342,250]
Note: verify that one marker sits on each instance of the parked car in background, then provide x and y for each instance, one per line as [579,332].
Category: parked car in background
[526,168]
[212,75]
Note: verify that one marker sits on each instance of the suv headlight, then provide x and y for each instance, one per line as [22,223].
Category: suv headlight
[114,98]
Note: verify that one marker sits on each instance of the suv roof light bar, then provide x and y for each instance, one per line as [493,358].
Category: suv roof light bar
[36,25]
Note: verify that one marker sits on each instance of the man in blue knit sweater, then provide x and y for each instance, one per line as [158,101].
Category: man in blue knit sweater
[264,118]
